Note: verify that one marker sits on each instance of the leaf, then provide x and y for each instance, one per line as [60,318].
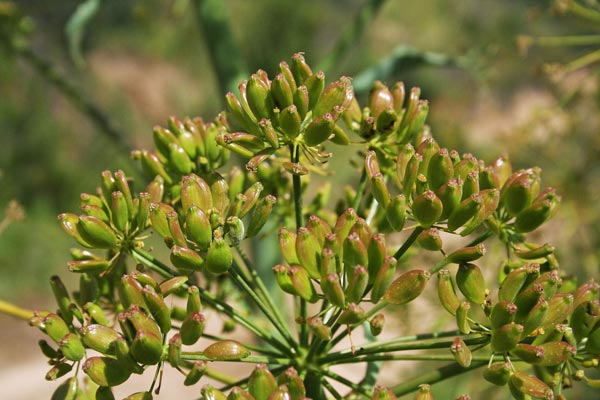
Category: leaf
[75,28]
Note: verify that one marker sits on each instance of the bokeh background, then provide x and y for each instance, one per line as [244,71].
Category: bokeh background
[78,93]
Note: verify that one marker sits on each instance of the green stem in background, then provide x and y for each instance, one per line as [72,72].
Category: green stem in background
[360,189]
[437,375]
[552,41]
[408,242]
[15,311]
[406,357]
[198,356]
[402,58]
[583,61]
[74,94]
[352,34]
[584,12]
[225,54]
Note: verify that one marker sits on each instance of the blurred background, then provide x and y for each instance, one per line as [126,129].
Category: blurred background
[83,83]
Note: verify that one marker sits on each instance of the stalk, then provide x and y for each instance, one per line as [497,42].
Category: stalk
[15,311]
[408,242]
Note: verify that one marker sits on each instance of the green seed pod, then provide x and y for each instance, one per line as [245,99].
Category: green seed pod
[357,284]
[261,383]
[302,284]
[376,324]
[440,169]
[300,68]
[226,350]
[520,382]
[527,299]
[461,352]
[331,248]
[586,292]
[235,230]
[147,348]
[471,184]
[197,372]
[96,211]
[471,283]
[48,350]
[407,287]
[395,212]
[58,370]
[450,193]
[560,308]
[355,252]
[192,328]
[410,174]
[156,189]
[120,211]
[332,290]
[179,160]
[308,251]
[175,232]
[535,317]
[186,259]
[516,280]
[69,223]
[237,393]
[130,292]
[105,371]
[424,392]
[174,351]
[187,135]
[535,253]
[290,122]
[584,318]
[319,130]
[282,93]
[287,246]
[462,317]
[402,161]
[162,139]
[380,190]
[195,192]
[100,338]
[104,393]
[538,212]
[301,101]
[354,314]
[380,98]
[284,68]
[293,382]
[141,321]
[68,390]
[319,228]
[592,345]
[96,232]
[219,257]
[528,353]
[210,393]
[430,239]
[382,393]
[71,347]
[252,195]
[550,281]
[197,227]
[387,121]
[376,254]
[139,396]
[344,224]
[338,93]
[96,313]
[466,254]
[502,313]
[172,285]
[371,164]
[427,149]
[498,373]
[315,84]
[488,178]
[319,329]
[383,279]
[63,300]
[283,279]
[159,310]
[446,292]
[363,230]
[235,109]
[152,166]
[519,191]
[466,210]
[54,326]
[259,97]
[506,337]
[158,218]
[260,215]
[556,353]
[427,208]
[281,393]
[193,301]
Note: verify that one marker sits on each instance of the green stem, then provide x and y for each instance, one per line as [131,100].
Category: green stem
[157,266]
[348,40]
[583,61]
[219,376]
[408,242]
[15,311]
[343,334]
[440,374]
[198,356]
[577,40]
[329,387]
[225,54]
[584,12]
[354,386]
[406,357]
[73,93]
[360,189]
[264,293]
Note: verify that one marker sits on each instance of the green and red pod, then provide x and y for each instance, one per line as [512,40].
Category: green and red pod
[158,309]
[556,353]
[105,371]
[498,373]
[461,352]
[440,169]
[172,285]
[357,284]
[379,190]
[210,393]
[130,292]
[380,98]
[100,338]
[261,383]
[308,250]
[488,178]
[332,290]
[260,215]
[424,392]
[404,156]
[529,353]
[376,254]
[158,218]
[97,232]
[462,317]
[471,283]
[219,257]
[319,329]
[355,252]
[152,165]
[319,228]
[300,69]
[58,370]
[466,210]
[121,212]
[54,326]
[174,351]
[383,279]
[353,314]
[466,254]
[516,281]
[395,212]
[259,98]
[226,350]
[542,209]
[502,313]
[281,91]
[407,287]
[518,193]
[301,101]
[302,284]
[450,193]
[521,383]
[287,246]
[383,393]
[198,228]
[176,234]
[446,292]
[192,328]
[195,373]
[63,300]
[319,130]
[147,348]
[427,208]
[560,308]
[237,393]
[344,224]
[337,94]
[506,337]
[71,347]
[69,223]
[584,317]
[283,279]
[295,385]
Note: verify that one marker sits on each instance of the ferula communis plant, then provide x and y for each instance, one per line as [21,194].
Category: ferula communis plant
[532,329]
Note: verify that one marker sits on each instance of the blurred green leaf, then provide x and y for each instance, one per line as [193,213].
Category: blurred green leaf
[75,28]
